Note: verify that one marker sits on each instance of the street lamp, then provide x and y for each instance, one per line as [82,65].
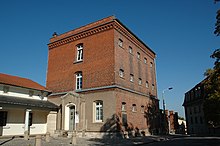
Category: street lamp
[164,108]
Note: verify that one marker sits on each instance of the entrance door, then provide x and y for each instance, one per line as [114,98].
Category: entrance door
[72,118]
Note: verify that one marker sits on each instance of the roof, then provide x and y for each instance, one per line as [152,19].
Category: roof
[30,103]
[20,82]
[90,26]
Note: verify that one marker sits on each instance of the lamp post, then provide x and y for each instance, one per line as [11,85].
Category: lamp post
[164,108]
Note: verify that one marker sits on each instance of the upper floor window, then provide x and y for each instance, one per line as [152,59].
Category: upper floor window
[142,109]
[130,50]
[134,108]
[123,106]
[98,111]
[147,84]
[79,52]
[139,81]
[131,77]
[138,55]
[120,43]
[145,60]
[78,80]
[153,87]
[121,73]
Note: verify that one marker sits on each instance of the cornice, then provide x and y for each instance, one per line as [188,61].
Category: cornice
[130,36]
[80,35]
[111,24]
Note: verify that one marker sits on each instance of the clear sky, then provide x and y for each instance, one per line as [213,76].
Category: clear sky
[180,32]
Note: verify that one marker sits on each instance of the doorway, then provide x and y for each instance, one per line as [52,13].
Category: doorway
[72,118]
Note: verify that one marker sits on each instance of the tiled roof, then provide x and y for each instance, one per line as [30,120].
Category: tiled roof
[20,82]
[30,103]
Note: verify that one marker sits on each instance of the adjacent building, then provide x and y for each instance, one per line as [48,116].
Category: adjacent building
[195,118]
[103,78]
[24,107]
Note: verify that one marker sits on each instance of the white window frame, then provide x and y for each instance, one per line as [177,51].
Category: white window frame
[131,78]
[120,42]
[147,84]
[121,73]
[138,55]
[79,56]
[134,108]
[98,105]
[130,50]
[123,106]
[145,60]
[153,87]
[78,80]
[139,81]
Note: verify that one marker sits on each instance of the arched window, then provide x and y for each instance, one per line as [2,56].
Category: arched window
[123,106]
[134,108]
[121,73]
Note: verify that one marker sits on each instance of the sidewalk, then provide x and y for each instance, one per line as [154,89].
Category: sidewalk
[62,141]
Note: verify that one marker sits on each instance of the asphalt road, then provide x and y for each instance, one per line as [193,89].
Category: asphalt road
[188,141]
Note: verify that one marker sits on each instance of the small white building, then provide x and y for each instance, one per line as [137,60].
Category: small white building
[24,107]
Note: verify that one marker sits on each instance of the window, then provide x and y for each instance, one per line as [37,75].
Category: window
[121,73]
[3,118]
[138,55]
[145,60]
[130,50]
[79,81]
[142,109]
[131,77]
[79,52]
[120,42]
[134,108]
[139,81]
[152,71]
[98,111]
[153,87]
[123,106]
[31,93]
[147,84]
[5,89]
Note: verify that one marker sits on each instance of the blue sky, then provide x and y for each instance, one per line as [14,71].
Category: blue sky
[180,32]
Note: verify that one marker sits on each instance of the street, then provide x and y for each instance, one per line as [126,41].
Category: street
[188,141]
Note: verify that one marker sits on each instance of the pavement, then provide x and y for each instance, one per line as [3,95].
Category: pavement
[83,141]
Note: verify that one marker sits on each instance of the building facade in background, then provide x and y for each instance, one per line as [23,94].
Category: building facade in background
[24,107]
[103,77]
[195,118]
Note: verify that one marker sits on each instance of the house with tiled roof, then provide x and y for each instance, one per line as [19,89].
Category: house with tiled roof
[24,108]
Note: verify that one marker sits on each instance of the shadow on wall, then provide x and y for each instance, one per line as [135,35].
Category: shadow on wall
[152,118]
[115,128]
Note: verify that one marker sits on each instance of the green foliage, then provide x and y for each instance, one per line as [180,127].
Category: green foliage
[217,24]
[212,89]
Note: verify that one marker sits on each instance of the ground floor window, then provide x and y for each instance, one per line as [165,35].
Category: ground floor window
[98,111]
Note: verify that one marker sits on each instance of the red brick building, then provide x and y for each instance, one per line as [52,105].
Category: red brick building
[103,78]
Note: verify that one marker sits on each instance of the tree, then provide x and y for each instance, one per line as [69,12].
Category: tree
[212,90]
[217,24]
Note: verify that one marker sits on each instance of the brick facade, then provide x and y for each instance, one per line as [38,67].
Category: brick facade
[103,61]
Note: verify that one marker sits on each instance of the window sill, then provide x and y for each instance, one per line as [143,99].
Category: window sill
[122,77]
[79,61]
[98,122]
